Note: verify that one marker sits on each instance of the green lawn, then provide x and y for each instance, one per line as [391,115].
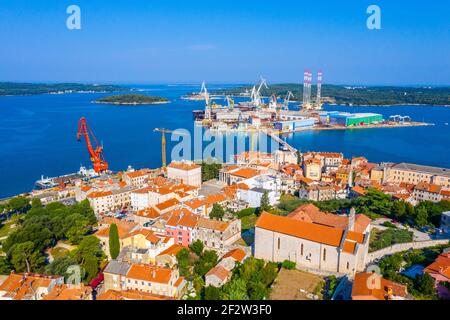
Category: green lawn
[59,252]
[380,239]
[248,222]
[8,226]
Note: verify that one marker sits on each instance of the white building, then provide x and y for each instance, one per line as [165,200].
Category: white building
[187,172]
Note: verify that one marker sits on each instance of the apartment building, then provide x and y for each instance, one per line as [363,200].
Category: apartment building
[186,172]
[217,235]
[414,173]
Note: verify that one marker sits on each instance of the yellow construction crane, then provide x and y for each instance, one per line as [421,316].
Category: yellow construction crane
[163,142]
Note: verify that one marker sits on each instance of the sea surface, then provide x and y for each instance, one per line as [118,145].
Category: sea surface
[38,134]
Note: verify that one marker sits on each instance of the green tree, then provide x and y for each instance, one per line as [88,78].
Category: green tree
[5,266]
[206,262]
[20,204]
[210,170]
[425,284]
[421,216]
[217,212]
[265,202]
[91,267]
[25,258]
[212,293]
[197,247]
[36,203]
[60,265]
[236,289]
[374,203]
[114,244]
[183,261]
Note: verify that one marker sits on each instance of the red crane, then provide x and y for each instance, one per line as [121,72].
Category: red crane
[97,157]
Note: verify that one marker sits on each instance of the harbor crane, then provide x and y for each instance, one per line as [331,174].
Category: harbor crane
[163,132]
[257,95]
[95,152]
[289,95]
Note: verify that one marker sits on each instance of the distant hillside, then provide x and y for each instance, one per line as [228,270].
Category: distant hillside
[15,89]
[131,99]
[360,95]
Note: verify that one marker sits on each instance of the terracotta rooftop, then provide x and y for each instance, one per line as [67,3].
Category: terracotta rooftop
[150,213]
[300,229]
[219,271]
[20,286]
[237,254]
[245,173]
[149,273]
[212,224]
[183,165]
[167,204]
[364,280]
[172,250]
[440,266]
[66,292]
[130,295]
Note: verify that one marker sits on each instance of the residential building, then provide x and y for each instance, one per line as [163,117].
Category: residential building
[217,235]
[28,286]
[425,191]
[440,268]
[185,171]
[312,169]
[372,286]
[69,292]
[414,173]
[445,222]
[317,192]
[162,281]
[181,225]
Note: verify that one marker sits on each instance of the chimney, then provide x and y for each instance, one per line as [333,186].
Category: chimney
[351,220]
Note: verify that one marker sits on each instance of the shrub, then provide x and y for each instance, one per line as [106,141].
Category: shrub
[289,265]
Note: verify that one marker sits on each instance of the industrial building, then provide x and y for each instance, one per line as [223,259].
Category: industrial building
[347,119]
[292,125]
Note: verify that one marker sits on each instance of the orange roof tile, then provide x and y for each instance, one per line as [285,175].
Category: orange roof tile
[172,250]
[361,290]
[99,194]
[300,229]
[130,295]
[150,213]
[349,246]
[212,224]
[237,254]
[167,204]
[149,273]
[246,173]
[66,292]
[183,165]
[220,272]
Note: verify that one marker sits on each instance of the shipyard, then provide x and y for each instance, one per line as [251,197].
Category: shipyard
[280,115]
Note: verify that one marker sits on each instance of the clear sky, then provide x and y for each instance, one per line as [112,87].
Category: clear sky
[149,41]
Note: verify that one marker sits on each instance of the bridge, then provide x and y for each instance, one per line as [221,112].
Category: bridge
[275,135]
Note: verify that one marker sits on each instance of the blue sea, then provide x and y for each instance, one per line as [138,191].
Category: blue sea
[38,134]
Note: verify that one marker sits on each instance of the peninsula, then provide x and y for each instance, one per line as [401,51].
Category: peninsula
[18,89]
[132,99]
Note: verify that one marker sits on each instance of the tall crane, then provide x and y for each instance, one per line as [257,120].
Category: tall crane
[287,99]
[95,152]
[163,132]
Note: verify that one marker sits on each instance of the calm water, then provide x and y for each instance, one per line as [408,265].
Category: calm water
[39,134]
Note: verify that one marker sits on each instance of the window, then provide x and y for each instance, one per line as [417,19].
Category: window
[301,250]
[279,243]
[348,265]
[324,254]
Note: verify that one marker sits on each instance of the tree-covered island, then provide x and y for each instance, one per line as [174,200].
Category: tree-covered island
[131,99]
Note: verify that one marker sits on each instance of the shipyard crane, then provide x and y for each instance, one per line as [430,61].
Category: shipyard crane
[287,99]
[95,152]
[163,132]
[230,102]
[258,100]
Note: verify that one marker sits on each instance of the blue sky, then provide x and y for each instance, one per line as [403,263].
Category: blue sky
[148,41]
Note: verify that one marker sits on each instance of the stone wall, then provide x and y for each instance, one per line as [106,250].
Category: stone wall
[404,247]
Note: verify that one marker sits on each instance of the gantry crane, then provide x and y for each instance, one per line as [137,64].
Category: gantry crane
[96,154]
[163,132]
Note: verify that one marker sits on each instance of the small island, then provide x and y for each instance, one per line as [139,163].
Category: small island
[131,99]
